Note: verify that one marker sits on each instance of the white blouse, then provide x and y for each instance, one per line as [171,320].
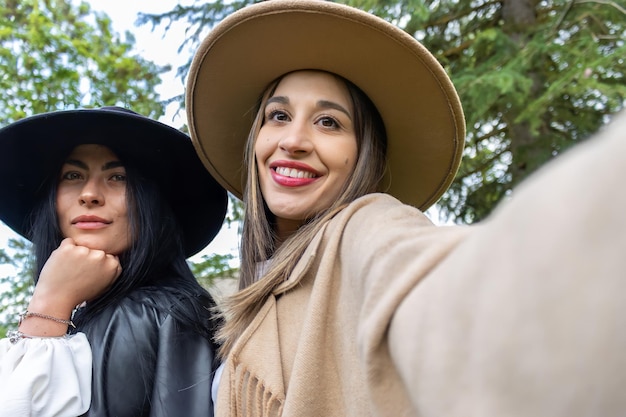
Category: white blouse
[45,376]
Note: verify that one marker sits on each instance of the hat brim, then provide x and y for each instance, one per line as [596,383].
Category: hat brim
[32,149]
[255,45]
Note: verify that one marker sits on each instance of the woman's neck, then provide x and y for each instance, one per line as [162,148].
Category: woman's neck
[285,229]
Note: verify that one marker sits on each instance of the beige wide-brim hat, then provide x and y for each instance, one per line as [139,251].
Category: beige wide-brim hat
[255,45]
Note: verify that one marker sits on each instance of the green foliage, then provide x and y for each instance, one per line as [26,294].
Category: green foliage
[534,78]
[55,56]
[199,19]
[212,268]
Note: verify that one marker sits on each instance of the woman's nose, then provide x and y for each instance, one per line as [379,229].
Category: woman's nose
[296,139]
[91,195]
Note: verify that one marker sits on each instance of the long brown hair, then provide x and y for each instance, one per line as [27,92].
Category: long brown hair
[259,240]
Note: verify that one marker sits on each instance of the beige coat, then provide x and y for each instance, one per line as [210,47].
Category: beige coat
[389,315]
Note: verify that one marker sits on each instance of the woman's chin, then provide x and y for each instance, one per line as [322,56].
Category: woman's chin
[98,244]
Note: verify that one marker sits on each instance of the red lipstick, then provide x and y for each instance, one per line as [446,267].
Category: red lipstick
[292,173]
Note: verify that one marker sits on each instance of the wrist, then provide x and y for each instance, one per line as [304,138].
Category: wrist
[28,314]
[43,319]
[51,306]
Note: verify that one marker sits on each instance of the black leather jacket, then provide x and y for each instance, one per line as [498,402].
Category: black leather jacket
[146,364]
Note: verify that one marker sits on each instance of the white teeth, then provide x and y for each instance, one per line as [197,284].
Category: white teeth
[294,173]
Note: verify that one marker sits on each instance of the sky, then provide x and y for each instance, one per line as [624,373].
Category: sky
[162,50]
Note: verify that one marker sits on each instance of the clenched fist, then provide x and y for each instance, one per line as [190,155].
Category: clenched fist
[72,274]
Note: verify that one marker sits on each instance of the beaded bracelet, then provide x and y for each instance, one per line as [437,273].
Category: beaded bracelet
[27,314]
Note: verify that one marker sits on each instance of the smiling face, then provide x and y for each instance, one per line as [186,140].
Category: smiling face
[306,148]
[91,199]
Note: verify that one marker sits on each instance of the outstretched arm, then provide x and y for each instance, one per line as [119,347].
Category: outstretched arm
[526,317]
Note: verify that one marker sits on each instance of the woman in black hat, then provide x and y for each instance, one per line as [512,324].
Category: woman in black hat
[346,128]
[114,203]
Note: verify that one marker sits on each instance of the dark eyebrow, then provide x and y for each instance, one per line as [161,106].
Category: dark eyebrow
[322,104]
[112,164]
[325,104]
[82,165]
[76,163]
[277,99]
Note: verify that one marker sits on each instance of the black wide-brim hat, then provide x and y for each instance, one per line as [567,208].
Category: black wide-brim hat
[248,49]
[33,149]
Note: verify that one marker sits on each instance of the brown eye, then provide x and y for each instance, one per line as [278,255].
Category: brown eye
[328,122]
[71,175]
[278,115]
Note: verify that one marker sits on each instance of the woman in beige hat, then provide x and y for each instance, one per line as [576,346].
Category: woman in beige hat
[336,129]
[114,203]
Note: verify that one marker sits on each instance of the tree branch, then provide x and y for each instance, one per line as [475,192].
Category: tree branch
[606,2]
